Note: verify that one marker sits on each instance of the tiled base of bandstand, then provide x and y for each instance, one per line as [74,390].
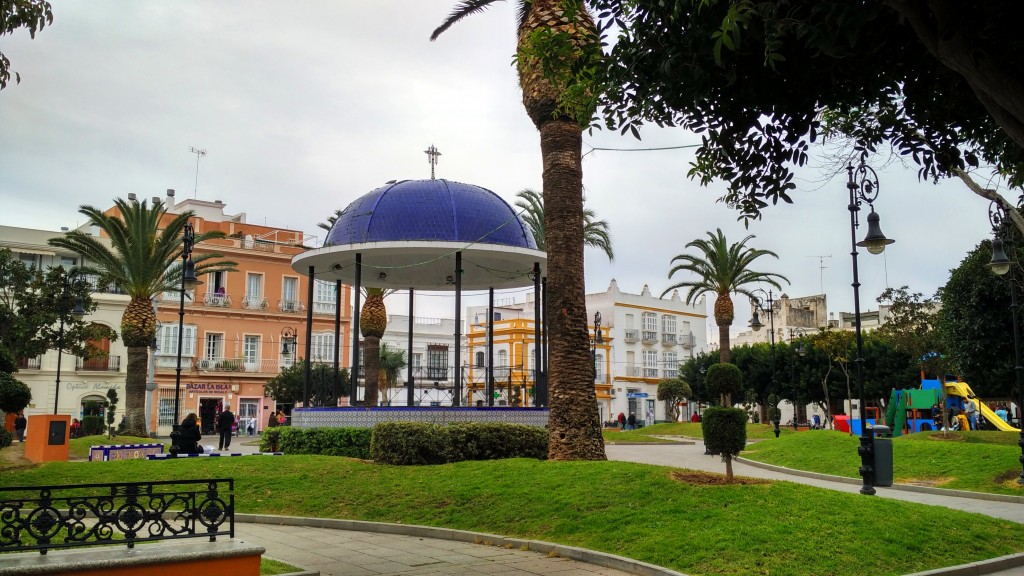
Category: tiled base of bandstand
[358,417]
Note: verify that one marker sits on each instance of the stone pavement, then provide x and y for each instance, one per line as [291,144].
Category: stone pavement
[355,553]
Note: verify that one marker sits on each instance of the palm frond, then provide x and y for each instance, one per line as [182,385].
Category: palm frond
[462,10]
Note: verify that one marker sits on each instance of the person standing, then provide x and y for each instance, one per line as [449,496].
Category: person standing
[20,423]
[971,411]
[631,422]
[1001,412]
[622,421]
[224,424]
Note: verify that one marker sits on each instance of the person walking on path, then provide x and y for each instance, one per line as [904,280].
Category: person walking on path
[622,421]
[971,411]
[224,424]
[631,422]
[20,423]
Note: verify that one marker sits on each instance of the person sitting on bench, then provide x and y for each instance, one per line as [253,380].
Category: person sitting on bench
[188,436]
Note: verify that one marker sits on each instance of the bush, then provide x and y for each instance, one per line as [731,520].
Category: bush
[14,394]
[724,380]
[352,442]
[6,438]
[725,430]
[413,443]
[93,426]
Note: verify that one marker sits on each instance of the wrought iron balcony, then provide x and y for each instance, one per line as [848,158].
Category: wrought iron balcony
[632,335]
[633,371]
[30,363]
[217,300]
[240,365]
[290,306]
[255,302]
[104,364]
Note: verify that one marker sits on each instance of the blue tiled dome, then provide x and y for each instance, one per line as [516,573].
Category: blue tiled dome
[430,210]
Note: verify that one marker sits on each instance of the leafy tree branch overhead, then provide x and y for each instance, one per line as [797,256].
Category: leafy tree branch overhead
[938,80]
[32,15]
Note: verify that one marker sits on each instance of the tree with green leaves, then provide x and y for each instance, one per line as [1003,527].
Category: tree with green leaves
[111,411]
[15,395]
[672,391]
[975,324]
[722,269]
[33,15]
[288,386]
[31,304]
[837,347]
[558,52]
[724,379]
[725,433]
[142,260]
[392,362]
[758,79]
[595,232]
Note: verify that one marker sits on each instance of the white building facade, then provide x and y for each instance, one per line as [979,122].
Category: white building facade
[646,338]
[82,381]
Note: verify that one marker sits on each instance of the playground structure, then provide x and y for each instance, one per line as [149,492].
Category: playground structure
[910,410]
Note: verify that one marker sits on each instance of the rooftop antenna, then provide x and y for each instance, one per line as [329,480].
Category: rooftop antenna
[199,154]
[821,271]
[432,155]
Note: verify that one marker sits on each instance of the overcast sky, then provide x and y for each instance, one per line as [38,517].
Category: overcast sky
[304,106]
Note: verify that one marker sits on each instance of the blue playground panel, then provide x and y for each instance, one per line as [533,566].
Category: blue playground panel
[855,425]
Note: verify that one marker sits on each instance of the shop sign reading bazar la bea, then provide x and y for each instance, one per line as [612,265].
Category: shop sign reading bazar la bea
[211,387]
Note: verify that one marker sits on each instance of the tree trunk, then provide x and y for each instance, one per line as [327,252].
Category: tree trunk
[574,430]
[135,391]
[371,368]
[728,468]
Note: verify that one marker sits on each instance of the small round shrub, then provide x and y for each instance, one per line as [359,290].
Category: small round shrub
[6,438]
[725,430]
[724,380]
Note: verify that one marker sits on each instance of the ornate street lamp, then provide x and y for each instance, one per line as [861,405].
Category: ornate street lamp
[1000,265]
[756,325]
[862,184]
[703,371]
[188,282]
[68,283]
[598,339]
[799,351]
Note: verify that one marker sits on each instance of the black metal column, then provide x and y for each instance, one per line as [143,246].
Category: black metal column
[355,331]
[866,449]
[410,380]
[489,384]
[336,387]
[457,388]
[1017,368]
[306,376]
[536,329]
[541,398]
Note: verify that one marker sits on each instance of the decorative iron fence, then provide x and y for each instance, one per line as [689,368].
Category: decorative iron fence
[71,516]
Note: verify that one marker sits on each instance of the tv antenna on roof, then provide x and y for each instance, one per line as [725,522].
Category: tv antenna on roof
[821,271]
[199,154]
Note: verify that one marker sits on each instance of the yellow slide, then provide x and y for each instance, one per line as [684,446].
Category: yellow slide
[964,391]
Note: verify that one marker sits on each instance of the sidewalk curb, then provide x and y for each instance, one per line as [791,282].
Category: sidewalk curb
[601,559]
[905,487]
[977,568]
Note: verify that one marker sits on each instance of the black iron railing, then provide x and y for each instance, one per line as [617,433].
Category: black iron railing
[54,517]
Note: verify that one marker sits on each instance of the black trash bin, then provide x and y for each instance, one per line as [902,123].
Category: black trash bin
[883,455]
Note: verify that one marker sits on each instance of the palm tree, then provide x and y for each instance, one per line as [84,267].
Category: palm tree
[557,50]
[595,232]
[142,261]
[392,360]
[722,269]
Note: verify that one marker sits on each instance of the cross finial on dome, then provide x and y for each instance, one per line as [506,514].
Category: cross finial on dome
[432,155]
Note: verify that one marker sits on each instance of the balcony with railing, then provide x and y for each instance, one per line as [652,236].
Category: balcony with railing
[30,363]
[668,339]
[687,340]
[217,300]
[239,365]
[254,302]
[324,308]
[634,371]
[290,306]
[632,335]
[649,337]
[104,364]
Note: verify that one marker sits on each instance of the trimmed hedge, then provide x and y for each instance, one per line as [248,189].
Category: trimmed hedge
[6,438]
[352,442]
[417,443]
[93,426]
[725,430]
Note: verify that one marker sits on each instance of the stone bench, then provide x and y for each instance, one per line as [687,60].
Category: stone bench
[108,452]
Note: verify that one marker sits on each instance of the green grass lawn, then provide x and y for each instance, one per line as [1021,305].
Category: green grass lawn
[635,510]
[631,436]
[270,567]
[982,461]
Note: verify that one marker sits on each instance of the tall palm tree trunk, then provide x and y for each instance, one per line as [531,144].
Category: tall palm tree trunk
[135,391]
[574,429]
[371,368]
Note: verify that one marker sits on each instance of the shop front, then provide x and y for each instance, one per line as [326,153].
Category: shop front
[208,399]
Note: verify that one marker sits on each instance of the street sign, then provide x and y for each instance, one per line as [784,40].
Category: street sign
[636,395]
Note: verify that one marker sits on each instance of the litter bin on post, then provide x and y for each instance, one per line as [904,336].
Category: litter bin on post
[883,455]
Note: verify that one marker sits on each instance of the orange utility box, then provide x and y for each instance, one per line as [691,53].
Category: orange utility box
[47,437]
